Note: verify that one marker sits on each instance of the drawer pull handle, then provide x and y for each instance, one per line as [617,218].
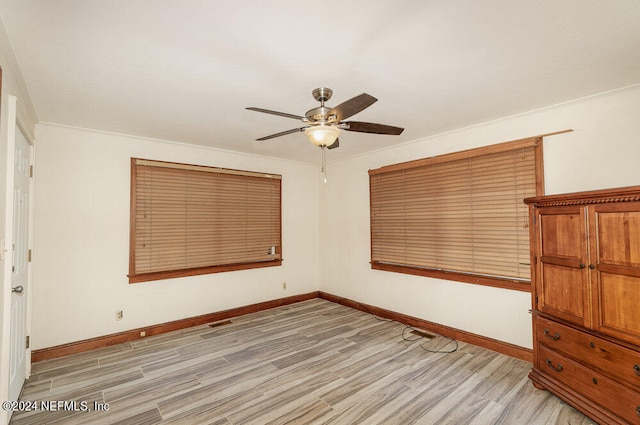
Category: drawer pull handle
[582,265]
[554,337]
[636,369]
[556,368]
[638,410]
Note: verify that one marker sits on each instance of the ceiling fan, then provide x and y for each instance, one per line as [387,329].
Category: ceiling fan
[323,123]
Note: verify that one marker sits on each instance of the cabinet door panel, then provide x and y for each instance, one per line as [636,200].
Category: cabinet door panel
[562,231]
[619,306]
[561,296]
[563,277]
[615,239]
[618,237]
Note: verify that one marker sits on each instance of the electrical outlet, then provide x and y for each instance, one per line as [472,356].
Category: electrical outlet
[284,285]
[119,315]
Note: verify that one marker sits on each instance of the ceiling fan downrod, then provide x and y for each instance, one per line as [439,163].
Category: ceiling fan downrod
[322,94]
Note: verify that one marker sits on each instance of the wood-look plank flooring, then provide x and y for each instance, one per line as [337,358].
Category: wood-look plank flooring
[313,362]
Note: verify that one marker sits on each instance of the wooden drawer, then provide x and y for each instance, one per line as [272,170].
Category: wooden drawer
[591,384]
[618,362]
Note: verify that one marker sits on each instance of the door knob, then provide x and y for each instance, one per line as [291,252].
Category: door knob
[18,289]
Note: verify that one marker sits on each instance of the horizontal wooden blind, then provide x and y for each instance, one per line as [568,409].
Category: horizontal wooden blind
[187,218]
[461,213]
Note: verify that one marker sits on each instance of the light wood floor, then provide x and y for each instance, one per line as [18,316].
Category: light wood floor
[313,362]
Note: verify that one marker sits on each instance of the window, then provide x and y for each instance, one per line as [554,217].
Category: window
[188,220]
[458,216]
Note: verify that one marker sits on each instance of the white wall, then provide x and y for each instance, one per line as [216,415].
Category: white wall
[81,243]
[12,85]
[82,225]
[603,151]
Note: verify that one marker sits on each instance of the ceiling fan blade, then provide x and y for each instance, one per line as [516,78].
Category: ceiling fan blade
[334,145]
[369,127]
[282,133]
[281,114]
[352,106]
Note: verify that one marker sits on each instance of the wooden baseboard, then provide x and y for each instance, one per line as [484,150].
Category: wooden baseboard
[463,336]
[134,334]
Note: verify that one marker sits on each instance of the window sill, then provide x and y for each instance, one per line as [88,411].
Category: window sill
[146,277]
[503,283]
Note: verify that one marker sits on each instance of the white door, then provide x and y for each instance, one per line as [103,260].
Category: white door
[20,269]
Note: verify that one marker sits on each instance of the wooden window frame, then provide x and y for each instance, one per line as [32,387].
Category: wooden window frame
[135,277]
[461,276]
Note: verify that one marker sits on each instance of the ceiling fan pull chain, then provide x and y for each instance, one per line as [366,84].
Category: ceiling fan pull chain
[324,164]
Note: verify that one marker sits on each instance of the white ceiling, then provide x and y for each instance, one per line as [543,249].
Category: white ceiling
[184,70]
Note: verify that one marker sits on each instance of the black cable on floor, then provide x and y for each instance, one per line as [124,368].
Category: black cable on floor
[363,307]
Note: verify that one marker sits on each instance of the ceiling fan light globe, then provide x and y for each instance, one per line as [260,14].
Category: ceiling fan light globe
[322,135]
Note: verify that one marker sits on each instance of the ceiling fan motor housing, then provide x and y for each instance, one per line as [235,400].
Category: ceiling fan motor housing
[319,115]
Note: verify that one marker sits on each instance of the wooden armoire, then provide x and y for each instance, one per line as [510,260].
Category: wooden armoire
[585,271]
